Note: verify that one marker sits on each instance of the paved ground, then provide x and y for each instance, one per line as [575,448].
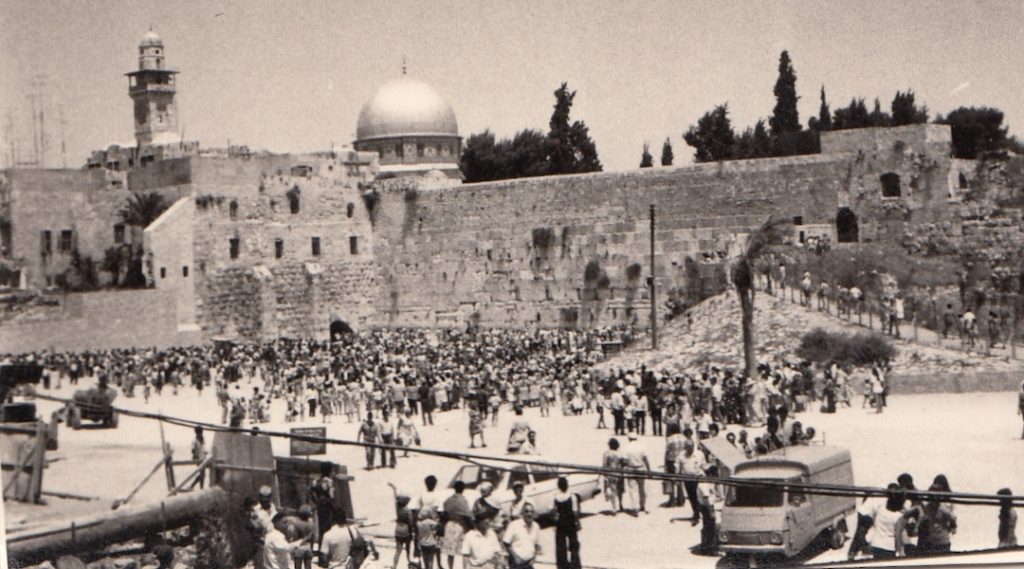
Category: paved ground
[972,438]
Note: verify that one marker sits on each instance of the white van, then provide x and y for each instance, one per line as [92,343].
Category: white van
[761,520]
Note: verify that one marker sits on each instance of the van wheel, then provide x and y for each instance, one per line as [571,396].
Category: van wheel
[837,537]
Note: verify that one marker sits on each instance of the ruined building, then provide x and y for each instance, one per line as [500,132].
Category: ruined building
[258,246]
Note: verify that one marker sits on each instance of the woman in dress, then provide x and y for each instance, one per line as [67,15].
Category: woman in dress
[457,520]
[613,487]
[408,435]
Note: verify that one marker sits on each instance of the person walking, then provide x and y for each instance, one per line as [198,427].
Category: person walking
[567,527]
[612,461]
[386,429]
[618,407]
[634,459]
[674,444]
[689,463]
[369,433]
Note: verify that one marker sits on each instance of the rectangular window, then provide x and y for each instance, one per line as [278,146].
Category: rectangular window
[316,246]
[45,242]
[66,238]
[119,233]
[233,242]
[163,272]
[278,248]
[353,245]
[184,271]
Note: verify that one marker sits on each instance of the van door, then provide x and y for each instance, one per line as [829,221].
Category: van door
[800,520]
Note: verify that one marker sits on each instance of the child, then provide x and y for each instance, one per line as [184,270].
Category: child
[403,525]
[1007,521]
[426,532]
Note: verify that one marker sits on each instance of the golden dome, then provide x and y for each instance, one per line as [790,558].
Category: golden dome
[406,107]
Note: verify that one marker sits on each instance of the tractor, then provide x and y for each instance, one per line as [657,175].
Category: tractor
[93,404]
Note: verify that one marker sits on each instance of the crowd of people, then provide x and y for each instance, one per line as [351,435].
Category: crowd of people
[392,382]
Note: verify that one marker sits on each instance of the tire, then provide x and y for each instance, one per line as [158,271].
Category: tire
[74,418]
[113,420]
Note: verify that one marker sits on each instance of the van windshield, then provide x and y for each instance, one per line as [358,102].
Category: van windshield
[754,497]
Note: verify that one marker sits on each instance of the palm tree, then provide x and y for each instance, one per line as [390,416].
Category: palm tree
[771,234]
[143,209]
[138,213]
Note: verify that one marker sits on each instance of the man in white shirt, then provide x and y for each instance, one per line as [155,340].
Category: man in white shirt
[522,539]
[634,458]
[480,545]
[277,550]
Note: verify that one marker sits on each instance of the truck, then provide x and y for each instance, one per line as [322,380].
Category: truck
[93,404]
[762,521]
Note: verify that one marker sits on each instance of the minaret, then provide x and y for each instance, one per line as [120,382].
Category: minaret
[152,90]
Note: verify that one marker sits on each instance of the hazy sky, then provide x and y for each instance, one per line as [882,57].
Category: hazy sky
[293,75]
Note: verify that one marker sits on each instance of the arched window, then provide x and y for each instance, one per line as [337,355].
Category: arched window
[846,226]
[963,181]
[890,185]
[233,209]
[350,209]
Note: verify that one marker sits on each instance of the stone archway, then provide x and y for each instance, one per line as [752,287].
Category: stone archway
[339,330]
[847,230]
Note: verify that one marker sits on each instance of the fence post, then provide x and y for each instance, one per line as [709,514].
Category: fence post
[871,324]
[915,326]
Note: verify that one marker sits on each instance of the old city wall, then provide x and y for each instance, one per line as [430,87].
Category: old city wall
[86,202]
[259,293]
[573,250]
[169,263]
[102,320]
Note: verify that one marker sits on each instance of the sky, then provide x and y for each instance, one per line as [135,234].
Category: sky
[292,76]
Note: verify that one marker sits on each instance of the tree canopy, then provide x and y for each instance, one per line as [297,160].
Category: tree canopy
[646,160]
[785,117]
[905,111]
[975,130]
[666,153]
[713,137]
[566,149]
[823,121]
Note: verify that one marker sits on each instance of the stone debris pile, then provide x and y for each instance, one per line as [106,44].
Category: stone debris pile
[710,334]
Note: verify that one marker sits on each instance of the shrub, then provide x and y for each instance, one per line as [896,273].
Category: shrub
[859,349]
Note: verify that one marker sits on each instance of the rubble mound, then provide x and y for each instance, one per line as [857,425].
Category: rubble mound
[710,334]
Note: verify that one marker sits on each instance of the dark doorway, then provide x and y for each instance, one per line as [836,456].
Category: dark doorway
[339,330]
[846,226]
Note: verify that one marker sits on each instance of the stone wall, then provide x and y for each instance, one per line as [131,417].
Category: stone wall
[102,320]
[86,202]
[574,250]
[168,258]
[259,293]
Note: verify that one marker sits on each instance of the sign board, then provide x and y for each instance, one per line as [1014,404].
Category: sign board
[306,448]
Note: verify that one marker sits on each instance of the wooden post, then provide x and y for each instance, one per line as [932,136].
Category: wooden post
[654,310]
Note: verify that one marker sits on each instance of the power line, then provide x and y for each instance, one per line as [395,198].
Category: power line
[965,498]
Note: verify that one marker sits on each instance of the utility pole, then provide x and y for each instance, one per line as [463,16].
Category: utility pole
[654,302]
